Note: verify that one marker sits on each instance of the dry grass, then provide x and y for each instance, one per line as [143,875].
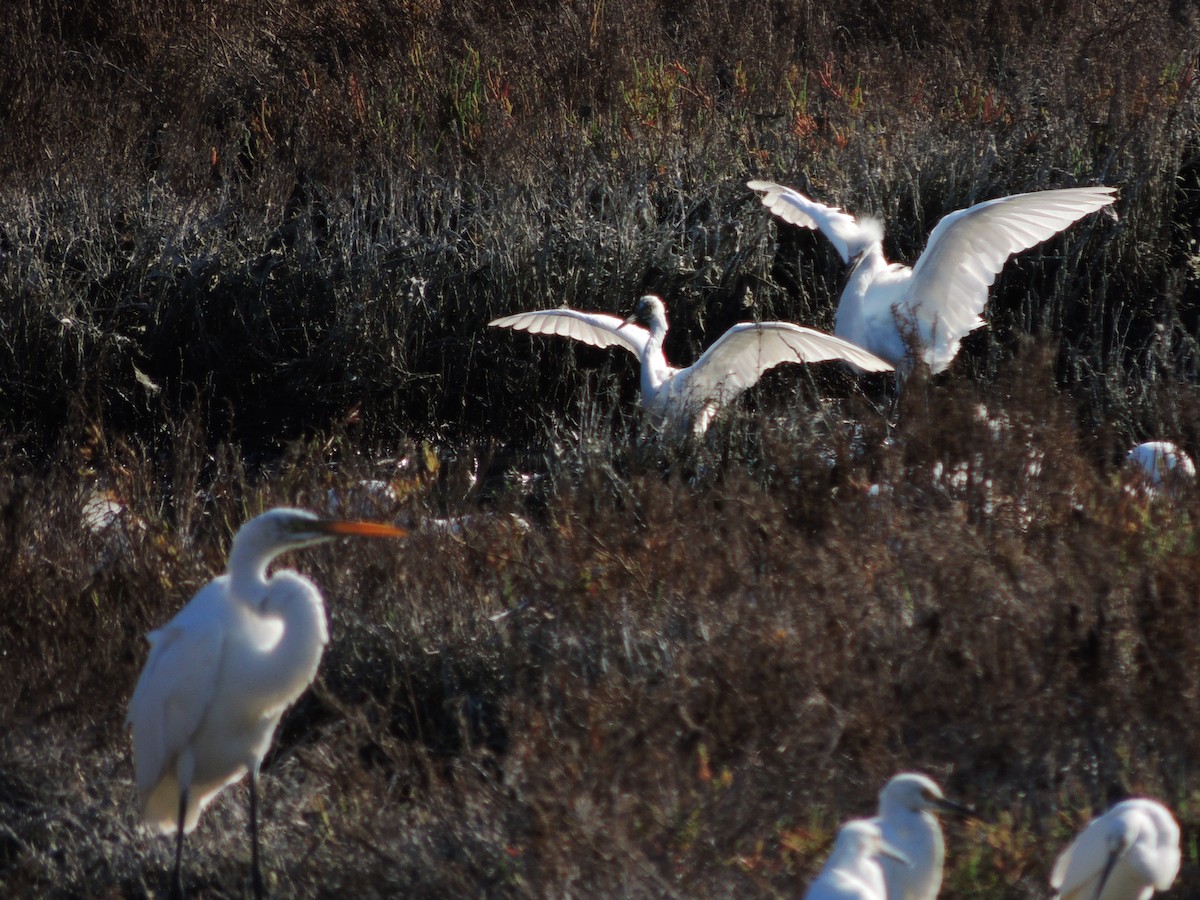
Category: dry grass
[268,266]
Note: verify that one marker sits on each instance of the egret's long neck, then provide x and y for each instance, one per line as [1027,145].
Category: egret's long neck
[247,569]
[655,369]
[851,319]
[287,668]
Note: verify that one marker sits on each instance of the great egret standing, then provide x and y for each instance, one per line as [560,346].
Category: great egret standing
[222,671]
[1126,854]
[940,300]
[906,818]
[852,871]
[676,398]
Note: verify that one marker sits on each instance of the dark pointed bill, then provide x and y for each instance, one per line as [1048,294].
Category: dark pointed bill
[952,808]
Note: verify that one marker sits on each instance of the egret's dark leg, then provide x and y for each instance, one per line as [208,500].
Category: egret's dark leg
[177,875]
[259,891]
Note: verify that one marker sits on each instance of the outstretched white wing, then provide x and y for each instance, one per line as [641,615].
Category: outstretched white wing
[597,329]
[176,687]
[736,361]
[949,286]
[848,236]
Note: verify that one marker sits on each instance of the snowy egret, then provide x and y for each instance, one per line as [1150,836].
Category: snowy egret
[220,674]
[1126,854]
[906,806]
[1159,462]
[852,871]
[940,300]
[676,398]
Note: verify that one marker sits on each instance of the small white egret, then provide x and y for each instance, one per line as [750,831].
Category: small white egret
[676,398]
[1126,854]
[220,674]
[941,299]
[852,871]
[1159,462]
[906,817]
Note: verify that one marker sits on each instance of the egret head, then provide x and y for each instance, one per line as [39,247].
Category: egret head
[867,234]
[911,792]
[650,313]
[280,529]
[863,837]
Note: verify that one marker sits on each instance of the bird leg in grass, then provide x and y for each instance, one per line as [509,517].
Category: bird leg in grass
[259,891]
[177,875]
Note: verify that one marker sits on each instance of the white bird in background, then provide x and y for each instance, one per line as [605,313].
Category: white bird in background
[1126,854]
[222,671]
[906,818]
[676,398]
[940,300]
[1161,461]
[852,871]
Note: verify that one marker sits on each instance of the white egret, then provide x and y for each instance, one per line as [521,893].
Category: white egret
[1126,854]
[676,398]
[1159,462]
[939,301]
[906,818]
[220,674]
[852,871]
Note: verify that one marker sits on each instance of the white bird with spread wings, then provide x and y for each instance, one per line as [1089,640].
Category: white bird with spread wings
[676,399]
[886,307]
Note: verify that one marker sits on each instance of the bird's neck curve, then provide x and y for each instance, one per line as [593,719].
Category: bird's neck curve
[281,671]
[853,318]
[247,569]
[655,369]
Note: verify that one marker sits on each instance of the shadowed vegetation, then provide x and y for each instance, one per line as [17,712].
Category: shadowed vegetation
[247,256]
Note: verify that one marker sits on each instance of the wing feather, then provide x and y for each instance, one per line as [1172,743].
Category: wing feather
[596,329]
[741,356]
[1081,864]
[848,236]
[968,248]
[176,687]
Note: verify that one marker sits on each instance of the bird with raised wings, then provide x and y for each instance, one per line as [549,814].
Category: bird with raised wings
[676,399]
[223,670]
[889,308]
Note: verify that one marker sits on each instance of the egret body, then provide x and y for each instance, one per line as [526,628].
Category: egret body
[676,399]
[936,303]
[220,674]
[1161,461]
[1126,854]
[852,871]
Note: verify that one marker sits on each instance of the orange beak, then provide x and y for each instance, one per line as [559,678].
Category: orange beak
[360,529]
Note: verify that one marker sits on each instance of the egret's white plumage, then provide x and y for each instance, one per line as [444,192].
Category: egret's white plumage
[906,818]
[676,398]
[1126,854]
[1160,461]
[941,299]
[220,674]
[852,871]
